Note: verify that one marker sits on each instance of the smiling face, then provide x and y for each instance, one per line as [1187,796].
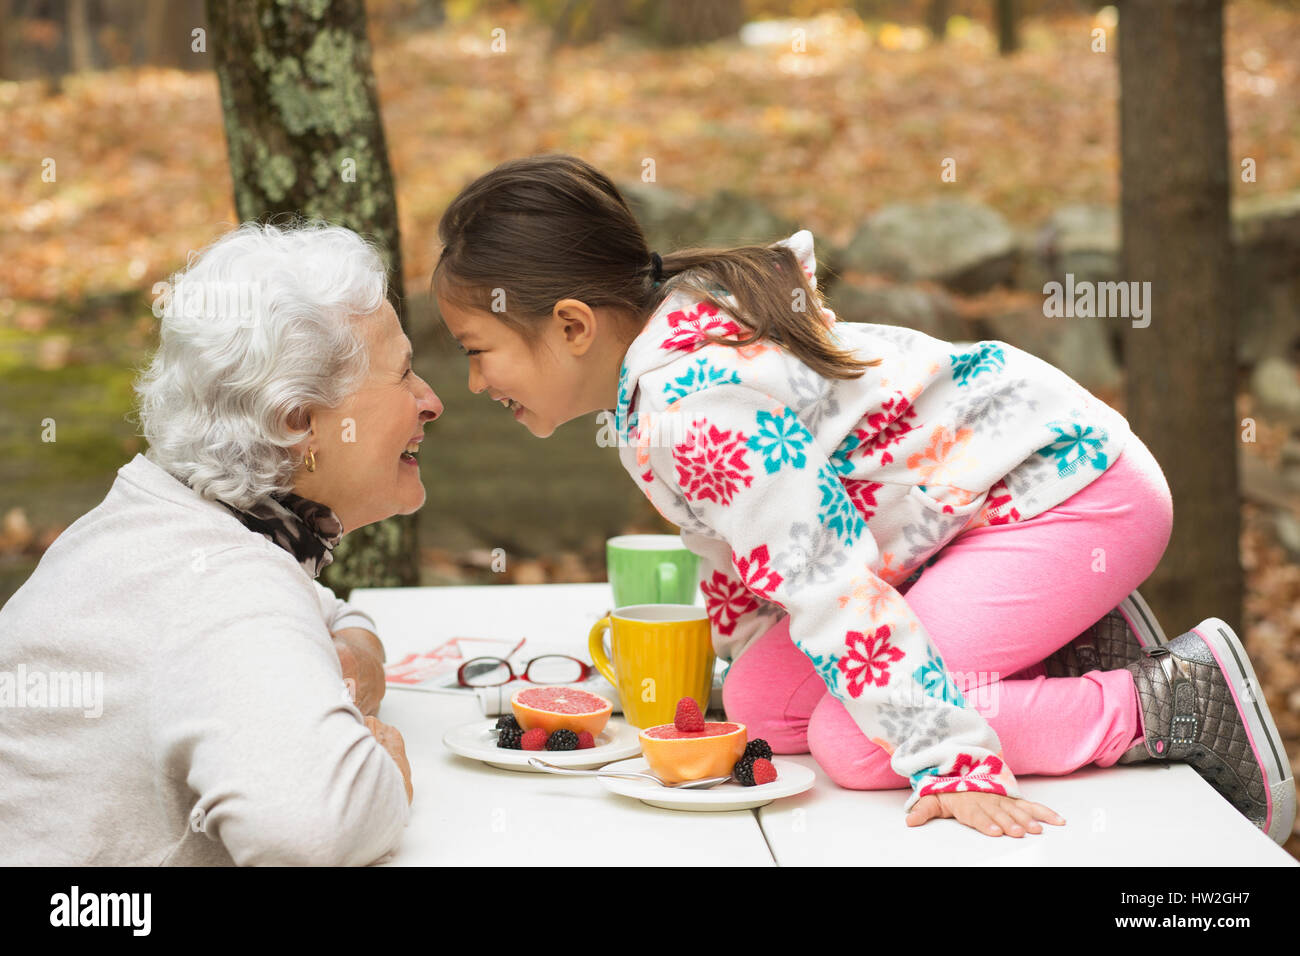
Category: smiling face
[362,471]
[565,374]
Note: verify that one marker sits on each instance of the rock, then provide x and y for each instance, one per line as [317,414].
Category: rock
[964,245]
[1275,385]
[1287,528]
[1291,463]
[527,572]
[1266,263]
[673,220]
[1083,240]
[1081,348]
[1259,220]
[931,311]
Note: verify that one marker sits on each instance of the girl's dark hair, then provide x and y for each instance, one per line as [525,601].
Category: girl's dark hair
[540,229]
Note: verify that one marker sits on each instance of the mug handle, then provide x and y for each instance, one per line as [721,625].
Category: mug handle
[666,579]
[596,645]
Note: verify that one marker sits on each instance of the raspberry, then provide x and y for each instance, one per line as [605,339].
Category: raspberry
[508,720]
[586,741]
[758,747]
[763,771]
[743,771]
[562,740]
[534,739]
[688,715]
[509,737]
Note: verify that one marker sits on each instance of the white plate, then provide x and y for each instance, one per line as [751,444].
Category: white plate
[791,778]
[477,741]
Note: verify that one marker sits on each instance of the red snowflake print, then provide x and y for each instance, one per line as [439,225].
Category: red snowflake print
[884,428]
[726,600]
[757,573]
[692,329]
[711,463]
[863,495]
[999,497]
[969,774]
[868,659]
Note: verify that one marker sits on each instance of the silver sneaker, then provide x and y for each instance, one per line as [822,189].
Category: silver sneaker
[1201,703]
[1113,642]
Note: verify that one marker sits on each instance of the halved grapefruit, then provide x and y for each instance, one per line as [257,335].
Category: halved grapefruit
[676,755]
[561,708]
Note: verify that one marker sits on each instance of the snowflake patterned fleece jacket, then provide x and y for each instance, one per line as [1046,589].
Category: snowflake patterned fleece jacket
[816,498]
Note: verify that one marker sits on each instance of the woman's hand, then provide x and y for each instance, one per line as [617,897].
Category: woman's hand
[362,667]
[391,740]
[990,813]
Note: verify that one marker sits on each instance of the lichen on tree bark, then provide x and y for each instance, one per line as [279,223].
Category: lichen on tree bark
[305,137]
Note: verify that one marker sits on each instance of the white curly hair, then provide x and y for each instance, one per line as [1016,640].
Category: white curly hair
[262,324]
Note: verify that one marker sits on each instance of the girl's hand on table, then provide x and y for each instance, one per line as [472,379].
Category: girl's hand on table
[990,813]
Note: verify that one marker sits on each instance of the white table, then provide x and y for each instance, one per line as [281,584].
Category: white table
[467,813]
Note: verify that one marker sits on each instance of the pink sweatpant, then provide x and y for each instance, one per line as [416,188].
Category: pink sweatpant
[996,601]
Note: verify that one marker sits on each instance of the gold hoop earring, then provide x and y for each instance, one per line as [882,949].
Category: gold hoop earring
[310,460]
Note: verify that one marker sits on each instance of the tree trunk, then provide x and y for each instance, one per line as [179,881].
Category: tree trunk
[304,136]
[4,39]
[80,59]
[688,22]
[1181,370]
[167,34]
[936,19]
[1008,28]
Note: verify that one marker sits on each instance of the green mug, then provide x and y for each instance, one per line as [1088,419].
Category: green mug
[651,569]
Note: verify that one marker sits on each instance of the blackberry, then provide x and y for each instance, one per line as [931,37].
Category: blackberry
[743,771]
[562,740]
[758,747]
[509,738]
[507,720]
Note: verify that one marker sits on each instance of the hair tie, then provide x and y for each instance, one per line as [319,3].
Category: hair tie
[656,267]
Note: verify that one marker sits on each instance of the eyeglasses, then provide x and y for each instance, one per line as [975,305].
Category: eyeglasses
[547,669]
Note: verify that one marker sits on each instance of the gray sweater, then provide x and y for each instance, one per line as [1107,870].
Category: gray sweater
[169,694]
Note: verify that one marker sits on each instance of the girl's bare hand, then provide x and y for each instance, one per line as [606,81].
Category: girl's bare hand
[990,813]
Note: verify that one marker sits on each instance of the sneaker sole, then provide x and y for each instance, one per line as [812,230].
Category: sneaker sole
[1141,622]
[1265,741]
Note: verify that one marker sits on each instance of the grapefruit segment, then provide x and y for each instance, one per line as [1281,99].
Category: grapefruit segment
[561,708]
[676,755]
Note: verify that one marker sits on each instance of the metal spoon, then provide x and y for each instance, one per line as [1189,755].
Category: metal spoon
[684,785]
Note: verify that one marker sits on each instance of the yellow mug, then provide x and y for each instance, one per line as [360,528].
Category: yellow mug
[660,654]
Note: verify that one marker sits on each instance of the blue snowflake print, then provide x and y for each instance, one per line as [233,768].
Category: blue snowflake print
[1075,444]
[983,357]
[836,511]
[918,778]
[781,440]
[937,682]
[621,424]
[701,375]
[827,667]
[840,456]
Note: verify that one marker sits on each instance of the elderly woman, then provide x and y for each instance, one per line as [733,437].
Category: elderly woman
[281,412]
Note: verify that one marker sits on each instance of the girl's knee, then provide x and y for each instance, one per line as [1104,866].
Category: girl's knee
[752,698]
[844,752]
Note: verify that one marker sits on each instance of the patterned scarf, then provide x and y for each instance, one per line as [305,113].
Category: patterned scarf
[306,529]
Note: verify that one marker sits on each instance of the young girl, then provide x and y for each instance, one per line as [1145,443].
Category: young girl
[824,470]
